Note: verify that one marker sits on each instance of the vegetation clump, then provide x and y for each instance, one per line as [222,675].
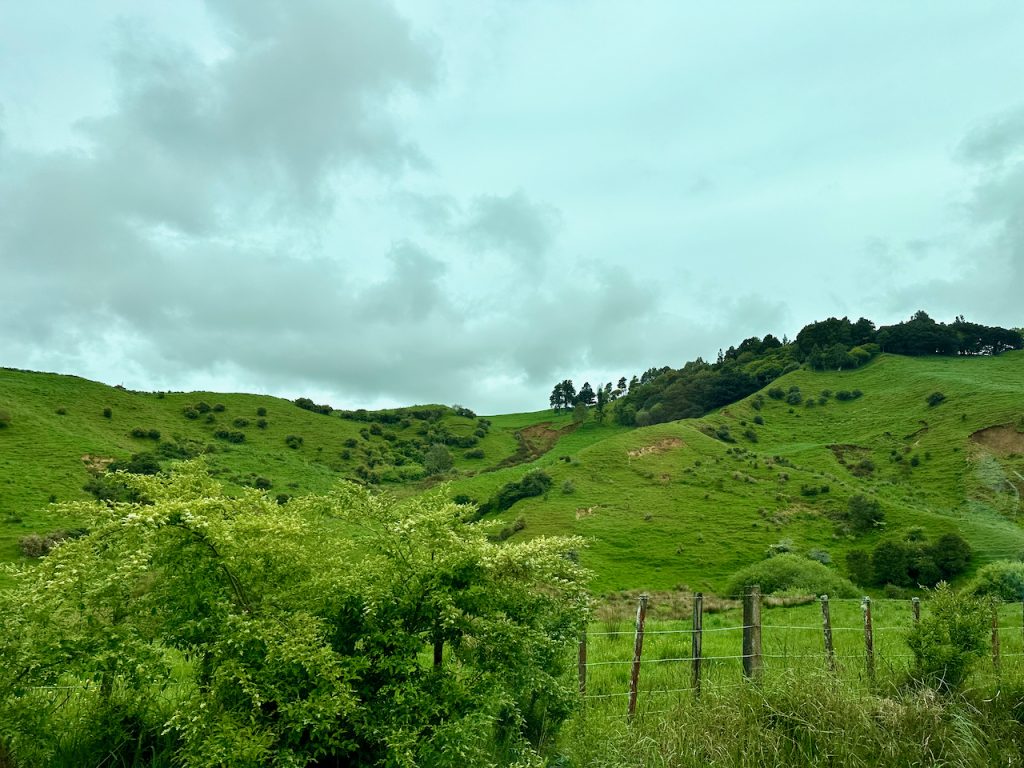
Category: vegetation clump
[789,573]
[404,639]
[948,639]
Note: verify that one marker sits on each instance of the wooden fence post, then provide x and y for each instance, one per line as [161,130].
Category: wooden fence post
[752,633]
[697,637]
[915,606]
[638,647]
[826,627]
[996,661]
[869,638]
[583,663]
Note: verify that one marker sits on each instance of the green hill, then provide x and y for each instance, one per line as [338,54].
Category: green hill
[684,503]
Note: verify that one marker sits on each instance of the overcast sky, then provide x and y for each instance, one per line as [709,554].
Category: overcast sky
[407,201]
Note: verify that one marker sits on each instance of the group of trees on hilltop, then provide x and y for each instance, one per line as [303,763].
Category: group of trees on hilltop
[838,343]
[667,394]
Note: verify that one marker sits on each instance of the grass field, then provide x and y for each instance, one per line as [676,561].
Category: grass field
[667,507]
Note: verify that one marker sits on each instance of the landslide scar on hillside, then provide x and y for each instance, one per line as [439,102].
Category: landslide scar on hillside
[1002,440]
[662,446]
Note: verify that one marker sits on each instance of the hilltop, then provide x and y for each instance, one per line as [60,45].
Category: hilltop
[681,504]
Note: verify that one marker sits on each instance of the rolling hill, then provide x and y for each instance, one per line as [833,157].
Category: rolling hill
[682,504]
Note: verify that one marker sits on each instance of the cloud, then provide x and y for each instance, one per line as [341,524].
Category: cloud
[514,225]
[987,269]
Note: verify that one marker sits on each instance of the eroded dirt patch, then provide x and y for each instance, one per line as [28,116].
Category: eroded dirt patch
[661,446]
[1002,440]
[582,512]
[97,465]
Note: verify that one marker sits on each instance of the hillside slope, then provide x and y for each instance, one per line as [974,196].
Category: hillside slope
[673,505]
[684,503]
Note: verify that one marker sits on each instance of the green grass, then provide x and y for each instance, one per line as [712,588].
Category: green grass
[663,507]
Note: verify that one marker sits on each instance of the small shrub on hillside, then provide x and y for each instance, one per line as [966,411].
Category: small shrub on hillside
[864,513]
[858,566]
[759,419]
[794,398]
[466,413]
[107,413]
[950,637]
[568,488]
[240,423]
[306,404]
[5,419]
[263,483]
[202,406]
[145,434]
[821,556]
[776,393]
[230,435]
[62,411]
[261,423]
[934,399]
[189,412]
[750,434]
[218,408]
[844,395]
[293,441]
[1003,579]
[144,463]
[722,433]
[475,453]
[791,574]
[437,459]
[261,411]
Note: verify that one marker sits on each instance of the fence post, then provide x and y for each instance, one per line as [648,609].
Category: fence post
[698,640]
[826,627]
[583,663]
[752,633]
[915,606]
[869,638]
[996,662]
[638,647]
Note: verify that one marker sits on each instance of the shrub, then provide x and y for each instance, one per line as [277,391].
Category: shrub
[776,393]
[306,404]
[864,513]
[722,433]
[202,406]
[263,483]
[190,412]
[218,408]
[535,483]
[62,411]
[934,399]
[5,419]
[230,435]
[750,434]
[145,434]
[261,411]
[107,413]
[948,639]
[568,487]
[759,419]
[138,464]
[844,395]
[475,453]
[791,574]
[794,398]
[261,423]
[952,554]
[437,459]
[293,441]
[240,423]
[1003,579]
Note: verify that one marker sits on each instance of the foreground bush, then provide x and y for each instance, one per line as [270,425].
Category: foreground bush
[341,629]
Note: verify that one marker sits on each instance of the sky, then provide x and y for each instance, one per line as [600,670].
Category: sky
[391,202]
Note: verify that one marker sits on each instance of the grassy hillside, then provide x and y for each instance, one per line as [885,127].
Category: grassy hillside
[63,429]
[682,504]
[673,505]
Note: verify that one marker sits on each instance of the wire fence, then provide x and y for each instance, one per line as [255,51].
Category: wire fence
[861,642]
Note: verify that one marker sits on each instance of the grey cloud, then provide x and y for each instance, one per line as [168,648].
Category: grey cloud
[512,224]
[995,141]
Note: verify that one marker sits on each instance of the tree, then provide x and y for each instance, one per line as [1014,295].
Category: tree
[604,395]
[437,459]
[290,653]
[586,394]
[864,513]
[622,383]
[568,393]
[579,413]
[557,398]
